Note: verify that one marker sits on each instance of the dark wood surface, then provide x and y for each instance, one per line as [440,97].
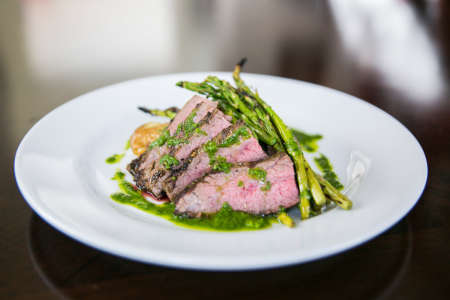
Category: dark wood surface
[393,54]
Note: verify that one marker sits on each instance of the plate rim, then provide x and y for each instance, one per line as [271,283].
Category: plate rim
[78,236]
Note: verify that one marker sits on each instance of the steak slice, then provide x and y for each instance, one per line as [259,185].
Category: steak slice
[247,149]
[141,168]
[242,192]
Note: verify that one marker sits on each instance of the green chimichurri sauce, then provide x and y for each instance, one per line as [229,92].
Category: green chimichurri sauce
[226,219]
[266,186]
[161,140]
[220,164]
[307,141]
[260,175]
[188,127]
[257,173]
[325,166]
[169,161]
[234,138]
[200,131]
[210,148]
[115,158]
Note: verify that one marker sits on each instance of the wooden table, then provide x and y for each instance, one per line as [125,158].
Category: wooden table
[393,54]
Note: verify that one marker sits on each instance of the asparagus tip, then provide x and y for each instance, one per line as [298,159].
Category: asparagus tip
[242,62]
[179,83]
[143,109]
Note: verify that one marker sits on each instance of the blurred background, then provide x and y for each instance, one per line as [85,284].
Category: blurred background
[392,53]
[52,50]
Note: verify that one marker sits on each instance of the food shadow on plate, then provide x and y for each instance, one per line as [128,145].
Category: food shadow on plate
[72,270]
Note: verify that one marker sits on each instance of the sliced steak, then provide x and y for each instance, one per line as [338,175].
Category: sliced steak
[210,127]
[150,172]
[242,192]
[142,167]
[247,149]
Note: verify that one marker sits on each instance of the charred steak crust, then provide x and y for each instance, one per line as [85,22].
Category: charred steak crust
[141,167]
[149,172]
[138,175]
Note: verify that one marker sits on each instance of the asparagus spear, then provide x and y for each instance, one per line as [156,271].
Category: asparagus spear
[316,190]
[290,144]
[169,112]
[334,194]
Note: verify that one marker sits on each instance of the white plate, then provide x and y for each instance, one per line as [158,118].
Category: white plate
[61,171]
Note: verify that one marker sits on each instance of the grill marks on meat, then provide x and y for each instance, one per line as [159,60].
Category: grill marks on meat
[214,123]
[209,194]
[202,105]
[198,164]
[147,170]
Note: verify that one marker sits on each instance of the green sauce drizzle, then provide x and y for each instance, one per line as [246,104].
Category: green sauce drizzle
[307,141]
[260,174]
[325,166]
[267,186]
[161,140]
[226,219]
[217,163]
[210,148]
[188,127]
[234,138]
[200,131]
[257,173]
[115,158]
[169,161]
[220,164]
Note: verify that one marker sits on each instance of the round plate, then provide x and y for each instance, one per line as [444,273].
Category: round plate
[61,171]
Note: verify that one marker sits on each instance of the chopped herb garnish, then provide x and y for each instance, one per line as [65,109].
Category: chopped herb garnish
[210,147]
[161,140]
[173,141]
[257,173]
[240,183]
[234,138]
[260,175]
[266,187]
[188,126]
[200,131]
[220,164]
[169,161]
